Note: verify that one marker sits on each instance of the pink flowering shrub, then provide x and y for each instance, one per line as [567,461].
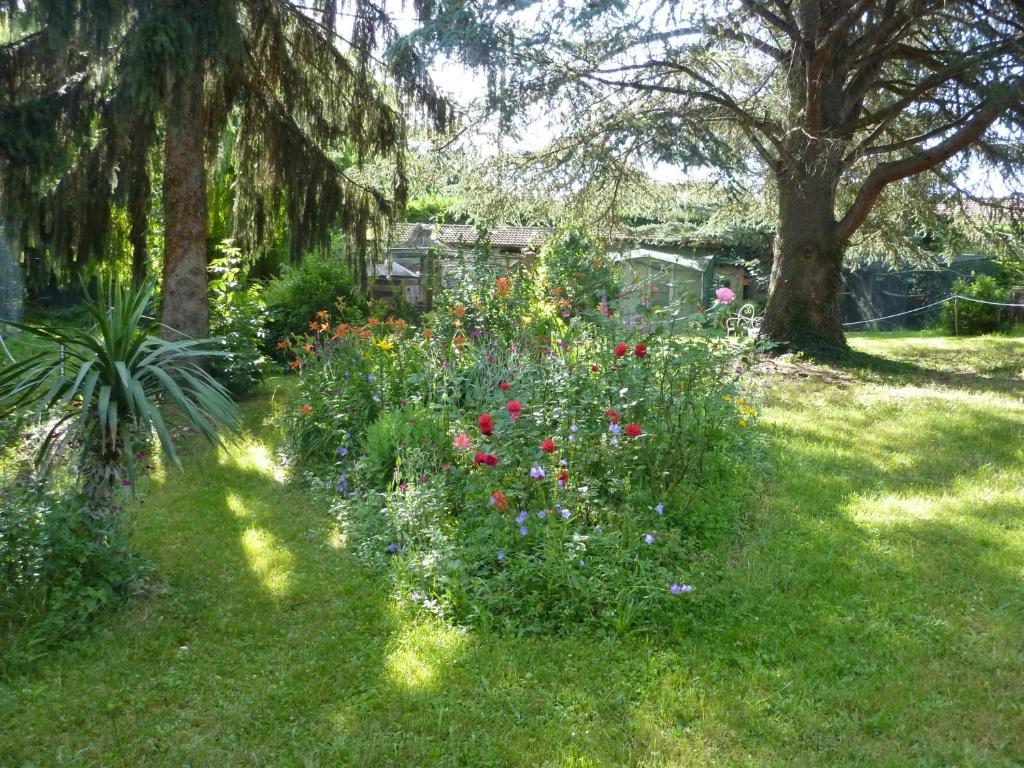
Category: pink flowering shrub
[530,474]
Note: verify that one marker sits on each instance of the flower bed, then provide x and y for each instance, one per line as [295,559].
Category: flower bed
[537,480]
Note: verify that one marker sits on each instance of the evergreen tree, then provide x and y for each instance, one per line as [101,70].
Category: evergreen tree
[91,89]
[835,101]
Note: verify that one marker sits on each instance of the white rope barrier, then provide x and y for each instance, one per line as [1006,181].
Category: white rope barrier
[949,298]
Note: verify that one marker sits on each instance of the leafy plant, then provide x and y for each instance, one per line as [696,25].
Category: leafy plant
[302,289]
[105,390]
[968,318]
[238,320]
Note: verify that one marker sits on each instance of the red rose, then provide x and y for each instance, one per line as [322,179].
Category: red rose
[485,424]
[505,386]
[613,417]
[515,409]
[548,446]
[480,458]
[489,459]
[621,349]
[594,369]
[633,430]
[563,476]
[640,350]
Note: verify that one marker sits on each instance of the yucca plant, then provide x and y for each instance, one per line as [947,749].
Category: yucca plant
[104,391]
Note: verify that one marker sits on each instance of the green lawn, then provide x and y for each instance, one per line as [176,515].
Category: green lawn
[872,614]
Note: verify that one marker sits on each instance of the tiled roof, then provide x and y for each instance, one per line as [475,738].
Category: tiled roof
[466,234]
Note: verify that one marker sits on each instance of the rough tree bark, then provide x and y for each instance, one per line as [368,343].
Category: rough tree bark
[185,310]
[803,307]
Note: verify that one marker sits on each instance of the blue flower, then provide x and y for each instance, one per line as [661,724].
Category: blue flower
[615,440]
[660,509]
[501,555]
[566,514]
[542,514]
[392,548]
[574,428]
[614,428]
[522,517]
[582,563]
[680,589]
[342,485]
[649,538]
[523,530]
[537,473]
[343,451]
[371,378]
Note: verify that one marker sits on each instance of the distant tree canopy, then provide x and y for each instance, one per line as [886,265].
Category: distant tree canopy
[833,102]
[91,91]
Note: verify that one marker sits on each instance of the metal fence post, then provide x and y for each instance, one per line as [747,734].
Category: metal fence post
[956,315]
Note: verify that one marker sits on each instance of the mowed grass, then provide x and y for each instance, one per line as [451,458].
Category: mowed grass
[872,613]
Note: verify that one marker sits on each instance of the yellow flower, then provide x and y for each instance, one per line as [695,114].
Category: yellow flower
[385,345]
[743,422]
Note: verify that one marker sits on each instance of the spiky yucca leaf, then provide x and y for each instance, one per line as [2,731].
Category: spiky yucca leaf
[106,386]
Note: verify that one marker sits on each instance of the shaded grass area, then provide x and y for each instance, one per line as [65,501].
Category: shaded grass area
[871,614]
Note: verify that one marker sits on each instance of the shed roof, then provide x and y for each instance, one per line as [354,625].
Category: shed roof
[391,269]
[422,236]
[674,259]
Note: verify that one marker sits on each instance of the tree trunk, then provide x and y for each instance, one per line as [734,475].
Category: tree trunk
[803,298]
[186,310]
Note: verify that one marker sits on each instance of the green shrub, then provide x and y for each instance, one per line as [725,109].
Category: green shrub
[316,283]
[972,319]
[411,441]
[60,568]
[577,268]
[238,319]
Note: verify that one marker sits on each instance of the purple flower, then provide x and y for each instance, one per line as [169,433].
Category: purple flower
[660,509]
[680,589]
[392,548]
[614,428]
[342,485]
[574,428]
[564,462]
[542,514]
[522,516]
[501,555]
[566,514]
[537,473]
[523,530]
[649,538]
[415,597]
[614,440]
[371,378]
[343,451]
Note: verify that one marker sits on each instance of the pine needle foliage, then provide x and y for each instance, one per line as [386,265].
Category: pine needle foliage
[86,89]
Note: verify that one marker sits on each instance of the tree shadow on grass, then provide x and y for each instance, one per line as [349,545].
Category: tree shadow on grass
[1004,378]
